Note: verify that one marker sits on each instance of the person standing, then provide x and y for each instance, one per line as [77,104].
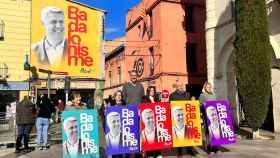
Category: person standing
[46,108]
[181,94]
[59,109]
[133,91]
[25,120]
[117,99]
[150,96]
[75,103]
[207,95]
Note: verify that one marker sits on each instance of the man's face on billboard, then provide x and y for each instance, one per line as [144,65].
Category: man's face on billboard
[148,119]
[179,118]
[54,26]
[114,124]
[71,129]
[212,115]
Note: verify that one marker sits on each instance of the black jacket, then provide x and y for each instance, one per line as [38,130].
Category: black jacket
[46,108]
[179,96]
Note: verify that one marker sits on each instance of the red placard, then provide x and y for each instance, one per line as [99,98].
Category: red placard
[155,125]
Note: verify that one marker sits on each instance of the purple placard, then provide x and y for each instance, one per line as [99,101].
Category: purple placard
[219,120]
[122,130]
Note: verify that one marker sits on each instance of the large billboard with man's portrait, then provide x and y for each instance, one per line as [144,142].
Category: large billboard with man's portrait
[66,36]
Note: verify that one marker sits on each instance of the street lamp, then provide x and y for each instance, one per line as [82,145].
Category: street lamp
[26,63]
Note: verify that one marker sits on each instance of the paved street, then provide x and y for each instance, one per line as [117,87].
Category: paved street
[242,149]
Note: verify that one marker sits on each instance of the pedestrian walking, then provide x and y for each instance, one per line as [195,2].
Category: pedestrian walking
[25,120]
[46,108]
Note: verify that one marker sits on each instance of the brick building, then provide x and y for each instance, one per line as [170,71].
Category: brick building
[164,42]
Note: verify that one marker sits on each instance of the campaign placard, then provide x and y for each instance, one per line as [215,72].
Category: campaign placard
[186,125]
[155,126]
[122,129]
[219,121]
[80,134]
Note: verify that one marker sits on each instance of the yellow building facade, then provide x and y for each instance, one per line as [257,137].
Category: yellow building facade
[14,46]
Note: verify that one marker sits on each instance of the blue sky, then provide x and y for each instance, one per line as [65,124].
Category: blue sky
[115,17]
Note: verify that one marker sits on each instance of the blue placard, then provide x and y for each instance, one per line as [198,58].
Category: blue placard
[122,130]
[80,134]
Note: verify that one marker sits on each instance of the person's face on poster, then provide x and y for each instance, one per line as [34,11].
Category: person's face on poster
[149,121]
[54,26]
[71,130]
[212,115]
[179,118]
[114,124]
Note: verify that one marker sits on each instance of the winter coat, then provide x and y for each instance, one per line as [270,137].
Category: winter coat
[25,112]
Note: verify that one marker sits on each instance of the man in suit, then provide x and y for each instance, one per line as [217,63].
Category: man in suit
[148,134]
[51,50]
[180,129]
[114,136]
[72,146]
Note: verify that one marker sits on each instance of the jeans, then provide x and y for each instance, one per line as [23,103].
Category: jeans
[42,125]
[23,131]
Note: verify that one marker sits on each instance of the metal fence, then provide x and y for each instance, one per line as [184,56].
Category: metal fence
[7,128]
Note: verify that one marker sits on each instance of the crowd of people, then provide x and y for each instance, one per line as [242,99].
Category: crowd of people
[41,115]
[132,93]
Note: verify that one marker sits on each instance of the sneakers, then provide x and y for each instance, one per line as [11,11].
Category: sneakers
[17,151]
[27,150]
[40,147]
[45,148]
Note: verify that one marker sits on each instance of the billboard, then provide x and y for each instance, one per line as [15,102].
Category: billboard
[66,36]
[122,130]
[219,121]
[80,134]
[186,125]
[155,126]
